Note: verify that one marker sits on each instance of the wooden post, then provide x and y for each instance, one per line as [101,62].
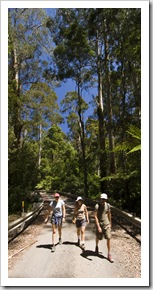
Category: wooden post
[23,207]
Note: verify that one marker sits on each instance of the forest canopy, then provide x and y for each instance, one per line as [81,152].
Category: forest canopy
[95,48]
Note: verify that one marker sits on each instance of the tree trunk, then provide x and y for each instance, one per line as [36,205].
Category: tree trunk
[16,119]
[123,93]
[109,106]
[101,119]
[82,138]
[40,146]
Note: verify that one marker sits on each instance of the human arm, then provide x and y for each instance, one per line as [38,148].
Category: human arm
[86,214]
[74,215]
[48,213]
[110,217]
[63,211]
[97,222]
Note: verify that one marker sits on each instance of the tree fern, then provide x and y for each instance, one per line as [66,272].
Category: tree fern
[135,132]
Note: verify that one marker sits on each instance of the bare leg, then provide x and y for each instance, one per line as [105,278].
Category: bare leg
[82,234]
[109,255]
[82,237]
[60,231]
[96,248]
[53,234]
[108,245]
[97,241]
[78,232]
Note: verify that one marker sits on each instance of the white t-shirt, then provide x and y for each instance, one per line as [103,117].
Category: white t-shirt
[57,207]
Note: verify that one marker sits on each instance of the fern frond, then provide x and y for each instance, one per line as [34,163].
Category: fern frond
[135,132]
[136,148]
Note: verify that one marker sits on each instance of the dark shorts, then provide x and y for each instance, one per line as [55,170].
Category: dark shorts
[106,233]
[56,220]
[80,223]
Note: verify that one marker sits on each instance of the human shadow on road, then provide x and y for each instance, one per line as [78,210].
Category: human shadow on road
[71,243]
[46,246]
[87,253]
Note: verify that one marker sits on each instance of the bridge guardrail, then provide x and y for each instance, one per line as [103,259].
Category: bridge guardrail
[129,217]
[18,225]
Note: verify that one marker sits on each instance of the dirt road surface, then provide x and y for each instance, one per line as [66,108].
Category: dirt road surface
[68,260]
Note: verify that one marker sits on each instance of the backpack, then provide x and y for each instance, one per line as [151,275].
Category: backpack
[107,206]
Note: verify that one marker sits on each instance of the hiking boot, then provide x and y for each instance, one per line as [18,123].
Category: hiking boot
[60,241]
[97,250]
[82,247]
[53,248]
[109,257]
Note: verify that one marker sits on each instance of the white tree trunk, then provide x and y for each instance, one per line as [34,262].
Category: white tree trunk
[40,146]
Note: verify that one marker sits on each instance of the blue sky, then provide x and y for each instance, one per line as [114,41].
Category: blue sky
[70,86]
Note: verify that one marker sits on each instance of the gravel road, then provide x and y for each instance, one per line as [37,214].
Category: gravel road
[30,255]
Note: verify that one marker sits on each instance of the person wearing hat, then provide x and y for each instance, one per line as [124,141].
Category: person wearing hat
[57,207]
[103,223]
[80,218]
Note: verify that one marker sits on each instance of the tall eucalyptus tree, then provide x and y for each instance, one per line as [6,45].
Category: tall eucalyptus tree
[41,112]
[72,55]
[29,51]
[95,31]
[75,108]
[29,43]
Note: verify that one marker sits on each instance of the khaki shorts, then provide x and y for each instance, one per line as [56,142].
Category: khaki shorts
[106,233]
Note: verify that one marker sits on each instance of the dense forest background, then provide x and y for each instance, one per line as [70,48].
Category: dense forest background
[95,48]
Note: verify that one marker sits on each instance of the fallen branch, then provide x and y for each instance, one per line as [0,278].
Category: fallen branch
[21,250]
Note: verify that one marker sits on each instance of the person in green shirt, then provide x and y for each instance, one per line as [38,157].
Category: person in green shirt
[103,222]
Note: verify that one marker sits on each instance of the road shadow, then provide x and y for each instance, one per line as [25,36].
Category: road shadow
[86,253]
[70,243]
[46,246]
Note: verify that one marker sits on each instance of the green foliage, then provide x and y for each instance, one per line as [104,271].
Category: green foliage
[40,155]
[94,185]
[135,133]
[137,148]
[23,174]
[58,167]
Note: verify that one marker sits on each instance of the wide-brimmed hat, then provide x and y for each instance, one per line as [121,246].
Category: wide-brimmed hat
[104,196]
[79,198]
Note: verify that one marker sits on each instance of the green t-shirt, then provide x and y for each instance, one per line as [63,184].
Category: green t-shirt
[102,213]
